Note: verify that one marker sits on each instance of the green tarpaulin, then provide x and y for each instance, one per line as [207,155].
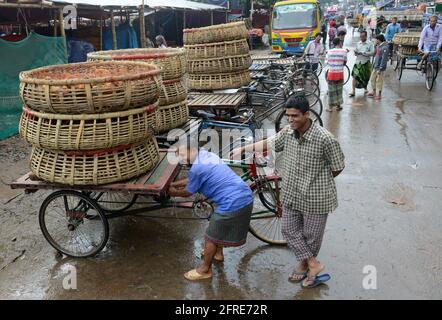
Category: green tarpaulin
[30,53]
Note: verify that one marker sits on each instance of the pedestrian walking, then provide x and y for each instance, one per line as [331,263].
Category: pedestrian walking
[379,67]
[337,58]
[312,53]
[332,32]
[312,159]
[362,69]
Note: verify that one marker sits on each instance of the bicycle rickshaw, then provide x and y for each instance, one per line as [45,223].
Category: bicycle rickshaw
[74,219]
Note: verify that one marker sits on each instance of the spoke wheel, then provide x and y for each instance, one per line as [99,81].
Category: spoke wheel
[73,224]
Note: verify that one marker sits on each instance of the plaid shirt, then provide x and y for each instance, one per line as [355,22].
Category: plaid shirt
[308,161]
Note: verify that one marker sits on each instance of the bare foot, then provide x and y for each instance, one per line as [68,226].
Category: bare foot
[312,273]
[299,273]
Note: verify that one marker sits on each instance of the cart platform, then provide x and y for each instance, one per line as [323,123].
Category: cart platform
[154,183]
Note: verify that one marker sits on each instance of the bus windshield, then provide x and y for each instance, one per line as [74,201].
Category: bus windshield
[295,16]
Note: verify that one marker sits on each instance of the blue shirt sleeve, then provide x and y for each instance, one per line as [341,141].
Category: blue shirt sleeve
[194,184]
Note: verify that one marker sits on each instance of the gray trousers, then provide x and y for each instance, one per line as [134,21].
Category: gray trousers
[303,232]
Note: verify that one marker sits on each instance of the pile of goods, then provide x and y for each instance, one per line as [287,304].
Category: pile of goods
[408,42]
[218,57]
[353,22]
[91,123]
[172,111]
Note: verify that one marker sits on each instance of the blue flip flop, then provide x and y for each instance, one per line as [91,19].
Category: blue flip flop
[317,281]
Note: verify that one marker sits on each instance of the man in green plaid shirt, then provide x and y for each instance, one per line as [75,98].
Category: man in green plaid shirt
[312,158]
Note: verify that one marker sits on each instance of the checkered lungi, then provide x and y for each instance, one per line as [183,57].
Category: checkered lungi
[303,232]
[335,92]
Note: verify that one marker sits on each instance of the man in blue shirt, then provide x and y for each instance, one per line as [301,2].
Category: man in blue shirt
[392,29]
[229,225]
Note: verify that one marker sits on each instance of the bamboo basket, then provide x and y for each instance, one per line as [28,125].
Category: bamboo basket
[87,132]
[171,61]
[172,116]
[409,50]
[407,38]
[220,65]
[94,167]
[218,81]
[217,33]
[217,50]
[173,91]
[92,87]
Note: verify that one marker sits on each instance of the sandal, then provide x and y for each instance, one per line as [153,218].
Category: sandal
[371,95]
[193,275]
[352,94]
[297,277]
[316,281]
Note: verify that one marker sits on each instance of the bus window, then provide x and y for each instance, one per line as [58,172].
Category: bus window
[295,16]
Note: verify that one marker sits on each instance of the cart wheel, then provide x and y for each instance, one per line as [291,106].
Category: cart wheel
[400,68]
[265,224]
[73,224]
[347,74]
[430,76]
[113,202]
[202,209]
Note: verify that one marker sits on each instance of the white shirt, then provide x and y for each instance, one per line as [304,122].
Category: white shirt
[367,50]
[314,50]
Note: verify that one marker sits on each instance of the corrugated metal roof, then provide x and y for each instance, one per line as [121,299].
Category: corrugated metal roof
[154,4]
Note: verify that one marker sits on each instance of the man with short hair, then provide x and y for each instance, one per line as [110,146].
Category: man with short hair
[431,39]
[337,58]
[380,65]
[312,158]
[392,29]
[230,222]
[362,68]
[312,53]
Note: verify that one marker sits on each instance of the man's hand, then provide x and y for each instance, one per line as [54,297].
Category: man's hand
[438,50]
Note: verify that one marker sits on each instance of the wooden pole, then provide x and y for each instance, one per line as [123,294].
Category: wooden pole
[142,27]
[211,17]
[114,32]
[101,32]
[54,17]
[184,19]
[63,34]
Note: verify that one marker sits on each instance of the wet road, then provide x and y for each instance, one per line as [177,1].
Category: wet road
[390,197]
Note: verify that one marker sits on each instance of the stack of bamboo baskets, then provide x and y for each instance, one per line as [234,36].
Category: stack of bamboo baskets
[91,123]
[173,111]
[408,42]
[217,57]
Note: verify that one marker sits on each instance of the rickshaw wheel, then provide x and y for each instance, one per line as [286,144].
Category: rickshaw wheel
[73,224]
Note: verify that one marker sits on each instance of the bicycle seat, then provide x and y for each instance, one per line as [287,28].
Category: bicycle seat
[205,115]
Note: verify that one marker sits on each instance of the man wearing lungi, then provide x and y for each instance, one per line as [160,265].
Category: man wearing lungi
[312,158]
[229,224]
[337,58]
[362,69]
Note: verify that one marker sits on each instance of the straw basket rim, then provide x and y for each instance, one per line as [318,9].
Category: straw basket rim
[217,26]
[26,76]
[220,58]
[137,53]
[93,116]
[213,44]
